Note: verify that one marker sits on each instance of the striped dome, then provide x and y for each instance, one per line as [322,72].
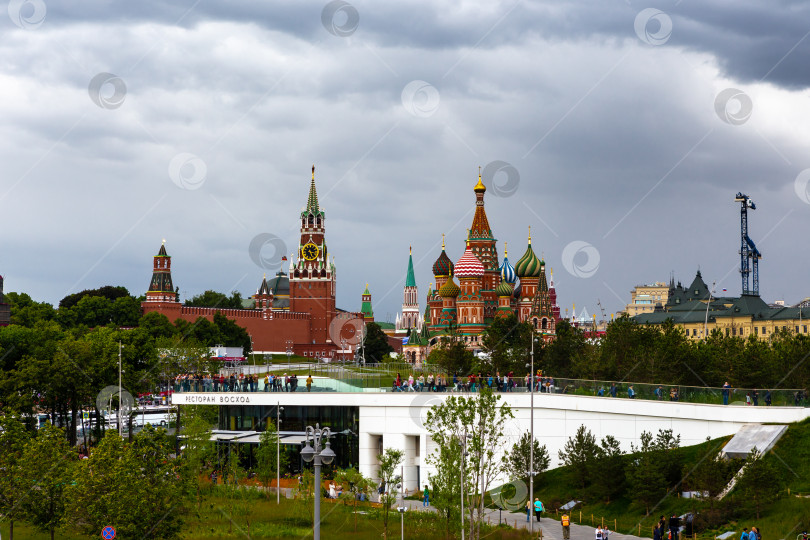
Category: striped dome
[508,272]
[469,265]
[528,265]
[443,265]
[449,289]
[504,289]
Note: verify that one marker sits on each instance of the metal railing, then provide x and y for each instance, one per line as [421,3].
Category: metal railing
[351,378]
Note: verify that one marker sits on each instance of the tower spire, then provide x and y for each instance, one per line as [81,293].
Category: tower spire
[410,279]
[312,200]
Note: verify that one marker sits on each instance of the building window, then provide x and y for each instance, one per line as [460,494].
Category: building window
[727,332]
[805,328]
[764,330]
[756,330]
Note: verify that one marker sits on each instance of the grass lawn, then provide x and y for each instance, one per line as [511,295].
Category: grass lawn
[255,516]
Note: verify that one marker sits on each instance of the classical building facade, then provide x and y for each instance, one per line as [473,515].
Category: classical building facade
[294,310]
[644,298]
[698,312]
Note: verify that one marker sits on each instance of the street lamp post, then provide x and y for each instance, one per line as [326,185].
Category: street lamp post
[325,456]
[531,437]
[463,443]
[706,320]
[279,408]
[120,401]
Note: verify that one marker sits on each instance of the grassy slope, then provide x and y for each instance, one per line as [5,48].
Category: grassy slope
[783,519]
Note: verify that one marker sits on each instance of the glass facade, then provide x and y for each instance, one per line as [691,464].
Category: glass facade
[343,422]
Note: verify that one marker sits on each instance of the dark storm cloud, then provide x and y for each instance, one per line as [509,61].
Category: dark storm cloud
[751,40]
[617,143]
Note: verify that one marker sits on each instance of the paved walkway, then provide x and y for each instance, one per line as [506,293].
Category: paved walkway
[552,530]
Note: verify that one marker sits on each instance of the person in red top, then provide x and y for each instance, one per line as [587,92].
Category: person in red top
[472,382]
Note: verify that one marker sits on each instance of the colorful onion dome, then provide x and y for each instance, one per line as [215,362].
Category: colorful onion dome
[529,264]
[449,289]
[469,265]
[443,265]
[504,289]
[507,271]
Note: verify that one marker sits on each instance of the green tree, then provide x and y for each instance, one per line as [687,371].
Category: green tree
[760,483]
[13,440]
[268,455]
[480,421]
[26,312]
[230,333]
[47,464]
[357,485]
[568,348]
[711,474]
[645,473]
[157,325]
[519,458]
[214,299]
[506,342]
[132,486]
[375,347]
[446,481]
[198,451]
[452,354]
[579,454]
[608,469]
[108,292]
[389,462]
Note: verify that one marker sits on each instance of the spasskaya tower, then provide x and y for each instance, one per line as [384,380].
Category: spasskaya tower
[312,275]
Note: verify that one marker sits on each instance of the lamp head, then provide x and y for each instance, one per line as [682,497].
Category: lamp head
[308,453]
[327,454]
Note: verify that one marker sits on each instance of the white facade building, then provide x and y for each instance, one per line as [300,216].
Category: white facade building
[397,420]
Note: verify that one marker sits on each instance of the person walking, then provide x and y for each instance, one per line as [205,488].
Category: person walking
[565,521]
[631,393]
[744,535]
[538,508]
[309,383]
[528,509]
[657,532]
[726,390]
[426,501]
[598,533]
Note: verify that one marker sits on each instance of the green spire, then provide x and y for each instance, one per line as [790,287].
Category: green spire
[365,306]
[410,280]
[312,201]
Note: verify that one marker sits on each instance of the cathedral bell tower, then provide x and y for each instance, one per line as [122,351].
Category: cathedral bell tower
[312,277]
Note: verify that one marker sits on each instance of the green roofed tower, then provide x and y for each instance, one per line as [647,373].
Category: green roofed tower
[409,318]
[365,306]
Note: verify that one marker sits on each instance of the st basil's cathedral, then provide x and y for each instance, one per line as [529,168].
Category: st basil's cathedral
[486,290]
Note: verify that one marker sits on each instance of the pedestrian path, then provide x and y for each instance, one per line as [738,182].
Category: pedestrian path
[552,530]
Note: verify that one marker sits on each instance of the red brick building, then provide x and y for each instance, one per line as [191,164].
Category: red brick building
[293,311]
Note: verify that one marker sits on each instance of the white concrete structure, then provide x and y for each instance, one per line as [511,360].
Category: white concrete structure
[397,420]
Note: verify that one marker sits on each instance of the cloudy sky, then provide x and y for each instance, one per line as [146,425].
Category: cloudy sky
[619,131]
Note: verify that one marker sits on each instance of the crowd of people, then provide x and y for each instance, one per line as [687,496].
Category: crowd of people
[206,382]
[472,382]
